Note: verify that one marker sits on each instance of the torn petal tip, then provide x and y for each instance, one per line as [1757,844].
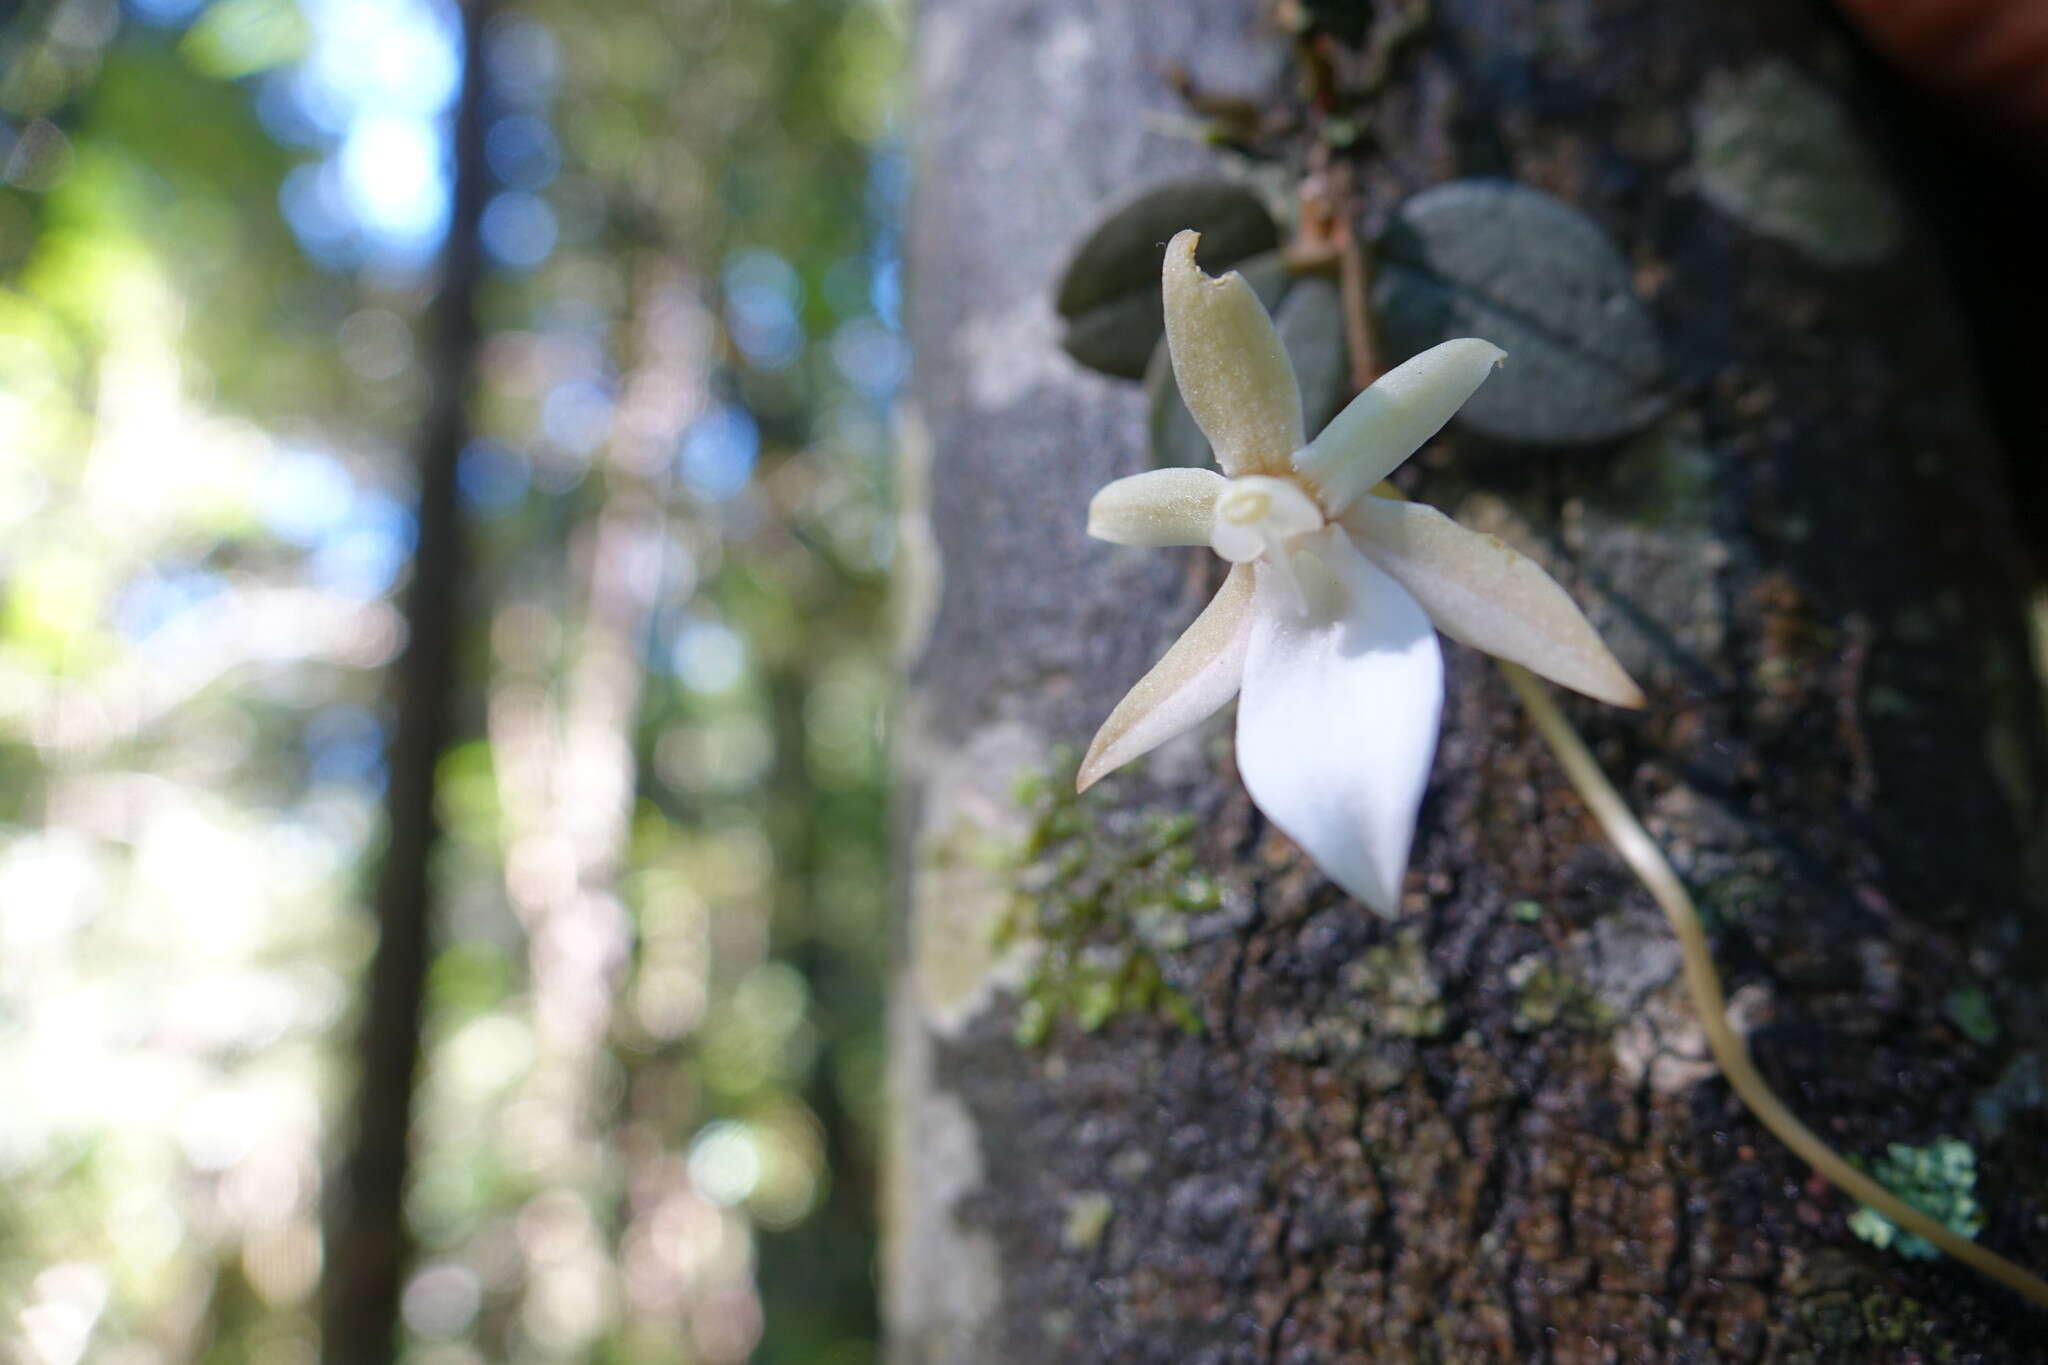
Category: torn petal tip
[1476,347]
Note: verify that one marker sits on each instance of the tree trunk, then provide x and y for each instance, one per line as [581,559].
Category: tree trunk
[367,1244]
[1486,1131]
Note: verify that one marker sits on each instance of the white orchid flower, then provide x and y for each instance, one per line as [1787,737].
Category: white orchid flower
[1327,621]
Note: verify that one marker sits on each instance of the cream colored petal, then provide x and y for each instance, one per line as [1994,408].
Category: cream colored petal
[1389,421]
[1186,687]
[1232,370]
[1480,592]
[1160,507]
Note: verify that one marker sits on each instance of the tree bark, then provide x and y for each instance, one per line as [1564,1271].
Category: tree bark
[1485,1131]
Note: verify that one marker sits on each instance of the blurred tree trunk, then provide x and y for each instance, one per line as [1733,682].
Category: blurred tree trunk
[1485,1132]
[368,1246]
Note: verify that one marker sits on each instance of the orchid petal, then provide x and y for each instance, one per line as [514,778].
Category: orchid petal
[1232,370]
[1484,594]
[1389,421]
[1159,507]
[1189,684]
[1338,722]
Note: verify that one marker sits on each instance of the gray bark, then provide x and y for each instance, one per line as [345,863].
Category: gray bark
[1485,1132]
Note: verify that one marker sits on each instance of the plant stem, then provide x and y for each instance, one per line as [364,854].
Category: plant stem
[1647,861]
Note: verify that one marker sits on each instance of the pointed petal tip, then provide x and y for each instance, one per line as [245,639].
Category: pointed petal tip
[1601,678]
[1604,680]
[1096,764]
[1624,695]
[1191,682]
[1486,594]
[1388,908]
[1395,417]
[1382,897]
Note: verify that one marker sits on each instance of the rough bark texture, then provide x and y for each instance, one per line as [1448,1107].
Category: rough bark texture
[1485,1132]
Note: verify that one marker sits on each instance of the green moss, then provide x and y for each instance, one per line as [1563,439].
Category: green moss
[1842,1320]
[1730,899]
[1099,892]
[2022,1086]
[1544,996]
[1969,1009]
[1397,992]
[1891,1321]
[1938,1179]
[1665,477]
[1528,912]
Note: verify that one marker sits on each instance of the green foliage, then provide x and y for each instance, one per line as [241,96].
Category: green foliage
[649,1093]
[1939,1180]
[235,38]
[1108,292]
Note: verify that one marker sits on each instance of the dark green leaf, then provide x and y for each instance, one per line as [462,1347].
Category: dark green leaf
[1311,323]
[1538,278]
[1109,293]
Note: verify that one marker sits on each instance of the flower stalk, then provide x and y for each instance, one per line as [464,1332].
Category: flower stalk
[1703,985]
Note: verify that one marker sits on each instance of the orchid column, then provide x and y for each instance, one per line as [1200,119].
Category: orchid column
[1478,1124]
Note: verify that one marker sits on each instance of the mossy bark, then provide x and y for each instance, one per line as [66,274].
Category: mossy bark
[1486,1132]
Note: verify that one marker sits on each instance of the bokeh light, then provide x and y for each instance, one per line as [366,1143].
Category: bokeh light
[660,886]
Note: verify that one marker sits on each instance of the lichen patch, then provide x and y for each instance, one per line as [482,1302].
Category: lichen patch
[1010,351]
[1087,1216]
[1662,1043]
[970,824]
[942,1278]
[914,582]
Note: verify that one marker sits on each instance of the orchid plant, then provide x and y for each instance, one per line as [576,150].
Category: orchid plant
[1327,621]
[1326,624]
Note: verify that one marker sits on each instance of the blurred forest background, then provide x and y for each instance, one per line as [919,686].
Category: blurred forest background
[230,343]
